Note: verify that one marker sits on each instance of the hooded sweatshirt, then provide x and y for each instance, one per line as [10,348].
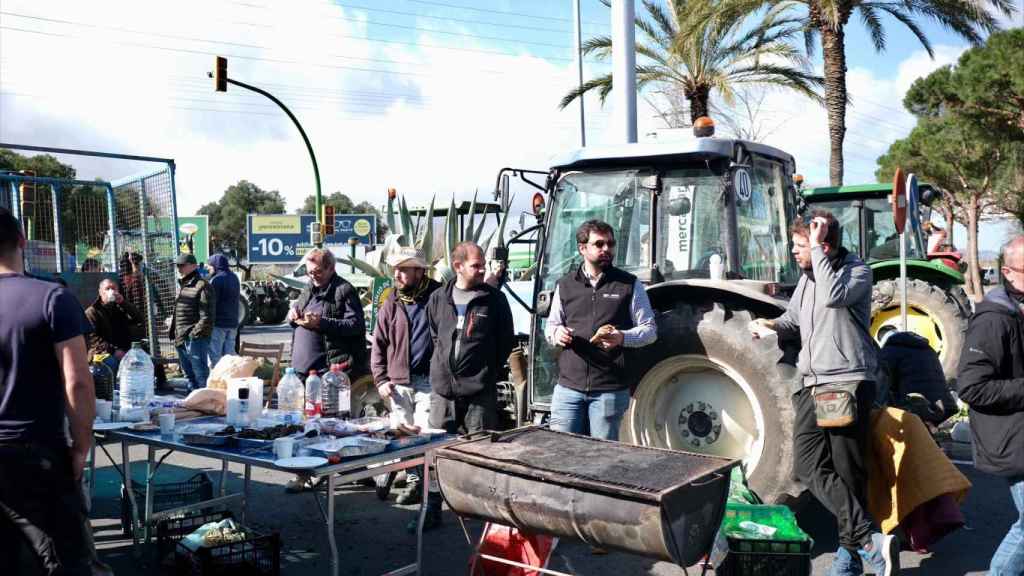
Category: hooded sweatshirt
[831,311]
[991,382]
[226,286]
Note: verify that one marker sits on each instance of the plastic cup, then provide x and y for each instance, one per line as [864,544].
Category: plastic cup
[166,423]
[283,447]
[103,408]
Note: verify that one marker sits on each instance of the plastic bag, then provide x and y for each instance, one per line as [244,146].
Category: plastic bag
[206,401]
[229,367]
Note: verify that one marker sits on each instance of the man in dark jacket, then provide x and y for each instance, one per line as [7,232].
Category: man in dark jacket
[991,382]
[192,323]
[114,320]
[471,326]
[225,325]
[400,357]
[916,381]
[598,313]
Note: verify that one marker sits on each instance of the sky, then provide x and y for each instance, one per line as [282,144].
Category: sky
[431,97]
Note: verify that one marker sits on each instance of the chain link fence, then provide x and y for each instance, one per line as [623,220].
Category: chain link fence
[81,232]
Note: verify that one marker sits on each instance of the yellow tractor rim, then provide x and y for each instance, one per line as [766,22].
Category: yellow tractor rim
[919,321]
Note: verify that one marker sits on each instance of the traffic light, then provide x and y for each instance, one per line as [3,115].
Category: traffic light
[328,220]
[220,74]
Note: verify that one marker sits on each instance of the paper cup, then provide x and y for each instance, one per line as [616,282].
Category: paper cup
[283,447]
[166,423]
[103,410]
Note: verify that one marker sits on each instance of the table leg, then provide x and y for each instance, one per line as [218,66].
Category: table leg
[150,472]
[330,525]
[126,466]
[92,468]
[245,490]
[427,458]
[223,477]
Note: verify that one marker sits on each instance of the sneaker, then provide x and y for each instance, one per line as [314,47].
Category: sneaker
[300,484]
[412,495]
[884,555]
[846,563]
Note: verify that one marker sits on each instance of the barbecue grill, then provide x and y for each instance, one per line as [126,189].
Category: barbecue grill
[662,504]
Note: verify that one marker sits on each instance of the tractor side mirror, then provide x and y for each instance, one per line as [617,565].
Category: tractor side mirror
[929,195]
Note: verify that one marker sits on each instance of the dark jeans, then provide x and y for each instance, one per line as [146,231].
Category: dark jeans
[465,414]
[41,512]
[831,462]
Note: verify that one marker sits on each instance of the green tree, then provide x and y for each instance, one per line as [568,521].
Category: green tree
[977,160]
[342,205]
[228,215]
[714,55]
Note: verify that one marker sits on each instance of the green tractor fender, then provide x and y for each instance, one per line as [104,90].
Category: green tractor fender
[932,271]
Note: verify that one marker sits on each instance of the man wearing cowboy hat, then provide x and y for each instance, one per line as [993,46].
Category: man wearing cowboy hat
[402,346]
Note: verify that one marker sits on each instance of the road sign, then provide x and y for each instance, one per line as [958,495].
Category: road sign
[284,238]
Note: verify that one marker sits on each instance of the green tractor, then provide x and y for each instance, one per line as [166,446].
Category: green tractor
[937,305]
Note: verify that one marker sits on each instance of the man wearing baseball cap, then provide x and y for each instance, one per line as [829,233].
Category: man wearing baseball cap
[192,322]
[402,346]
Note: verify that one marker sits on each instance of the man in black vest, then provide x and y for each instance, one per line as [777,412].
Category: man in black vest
[597,312]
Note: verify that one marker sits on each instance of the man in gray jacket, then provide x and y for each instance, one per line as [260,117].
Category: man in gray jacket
[830,311]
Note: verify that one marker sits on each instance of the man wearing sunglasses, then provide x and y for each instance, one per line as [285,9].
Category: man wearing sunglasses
[598,313]
[991,382]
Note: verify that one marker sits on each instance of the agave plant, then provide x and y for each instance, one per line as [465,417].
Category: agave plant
[420,234]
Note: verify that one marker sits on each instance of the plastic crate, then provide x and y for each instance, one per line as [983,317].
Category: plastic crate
[259,555]
[170,531]
[166,496]
[787,552]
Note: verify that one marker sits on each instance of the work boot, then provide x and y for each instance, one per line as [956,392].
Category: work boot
[846,563]
[413,493]
[433,518]
[882,554]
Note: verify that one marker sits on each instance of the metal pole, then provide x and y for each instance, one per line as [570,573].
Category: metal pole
[57,236]
[624,68]
[578,38]
[151,329]
[174,212]
[903,281]
[112,223]
[309,147]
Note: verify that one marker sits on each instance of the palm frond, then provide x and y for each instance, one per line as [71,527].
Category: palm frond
[873,23]
[898,14]
[599,46]
[602,83]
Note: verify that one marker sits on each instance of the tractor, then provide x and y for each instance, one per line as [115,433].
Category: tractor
[938,307]
[704,224]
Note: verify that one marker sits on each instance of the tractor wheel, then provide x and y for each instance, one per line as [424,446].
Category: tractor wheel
[937,313]
[714,389]
[243,312]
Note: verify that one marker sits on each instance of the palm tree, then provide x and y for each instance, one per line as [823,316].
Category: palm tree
[723,56]
[827,19]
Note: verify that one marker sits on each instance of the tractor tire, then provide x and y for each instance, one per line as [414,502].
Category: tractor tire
[938,313]
[712,388]
[243,312]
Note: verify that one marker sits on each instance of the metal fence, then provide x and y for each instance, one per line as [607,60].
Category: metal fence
[80,232]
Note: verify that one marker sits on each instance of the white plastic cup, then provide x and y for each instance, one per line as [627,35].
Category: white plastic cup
[166,423]
[103,408]
[283,447]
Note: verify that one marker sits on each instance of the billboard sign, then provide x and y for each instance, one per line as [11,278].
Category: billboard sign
[284,238]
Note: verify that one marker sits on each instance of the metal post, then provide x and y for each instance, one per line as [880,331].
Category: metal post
[353,246]
[147,285]
[624,68]
[578,40]
[57,236]
[309,147]
[112,224]
[16,211]
[903,281]
[174,211]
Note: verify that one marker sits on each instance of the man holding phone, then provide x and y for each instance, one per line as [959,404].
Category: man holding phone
[596,312]
[830,311]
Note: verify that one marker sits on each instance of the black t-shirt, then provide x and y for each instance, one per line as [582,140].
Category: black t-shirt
[34,316]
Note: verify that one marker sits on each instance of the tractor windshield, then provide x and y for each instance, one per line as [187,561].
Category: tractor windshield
[879,240]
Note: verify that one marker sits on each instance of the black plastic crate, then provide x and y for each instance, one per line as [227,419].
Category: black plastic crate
[165,496]
[259,555]
[170,531]
[766,558]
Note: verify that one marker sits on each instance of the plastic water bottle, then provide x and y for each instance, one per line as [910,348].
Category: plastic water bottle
[289,396]
[314,389]
[334,382]
[135,379]
[344,393]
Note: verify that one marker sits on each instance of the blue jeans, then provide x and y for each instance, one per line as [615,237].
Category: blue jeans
[596,413]
[1009,557]
[222,343]
[193,356]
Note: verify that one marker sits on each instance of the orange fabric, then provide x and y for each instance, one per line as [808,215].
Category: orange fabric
[511,544]
[906,468]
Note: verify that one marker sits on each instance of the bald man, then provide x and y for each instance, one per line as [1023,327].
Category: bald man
[991,382]
[115,320]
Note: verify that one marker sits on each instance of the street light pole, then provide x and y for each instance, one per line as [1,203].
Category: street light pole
[578,39]
[222,79]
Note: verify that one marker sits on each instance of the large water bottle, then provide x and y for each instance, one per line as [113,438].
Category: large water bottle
[135,379]
[335,382]
[290,396]
[314,388]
